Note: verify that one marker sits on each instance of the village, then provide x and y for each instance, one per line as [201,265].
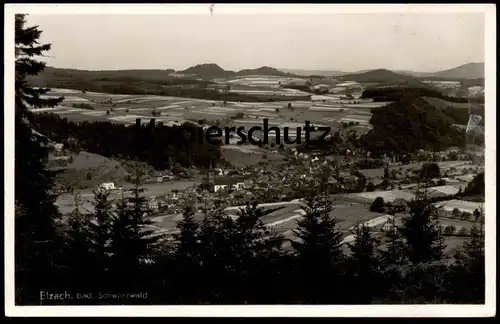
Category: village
[279,189]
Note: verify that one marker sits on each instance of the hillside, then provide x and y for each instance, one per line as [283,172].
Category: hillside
[160,146]
[466,71]
[394,93]
[119,81]
[414,73]
[381,76]
[88,170]
[212,71]
[412,124]
[264,70]
[209,70]
[103,75]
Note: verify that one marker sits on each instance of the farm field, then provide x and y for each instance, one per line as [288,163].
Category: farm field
[406,194]
[125,109]
[247,155]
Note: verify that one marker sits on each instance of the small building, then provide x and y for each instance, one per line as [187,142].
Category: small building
[228,183]
[153,204]
[58,147]
[107,186]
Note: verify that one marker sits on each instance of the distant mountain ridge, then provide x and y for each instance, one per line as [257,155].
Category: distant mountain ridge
[465,71]
[212,70]
[381,76]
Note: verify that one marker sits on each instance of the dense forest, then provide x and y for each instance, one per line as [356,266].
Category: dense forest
[411,124]
[382,76]
[215,259]
[159,145]
[401,92]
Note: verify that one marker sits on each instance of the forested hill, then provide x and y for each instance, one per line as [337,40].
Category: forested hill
[466,71]
[211,70]
[382,76]
[160,146]
[399,92]
[411,124]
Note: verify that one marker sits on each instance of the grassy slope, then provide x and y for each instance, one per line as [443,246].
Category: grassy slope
[87,170]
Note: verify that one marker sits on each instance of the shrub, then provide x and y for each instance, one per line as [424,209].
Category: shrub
[441,182]
[378,205]
[455,212]
[465,216]
[430,171]
[370,187]
[83,106]
[449,230]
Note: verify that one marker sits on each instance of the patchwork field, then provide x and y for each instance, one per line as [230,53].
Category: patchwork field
[125,109]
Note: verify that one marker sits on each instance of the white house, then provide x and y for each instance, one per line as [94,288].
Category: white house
[377,221]
[58,147]
[107,186]
[153,204]
[228,183]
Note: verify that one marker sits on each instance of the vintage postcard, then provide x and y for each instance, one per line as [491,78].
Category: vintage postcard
[250,159]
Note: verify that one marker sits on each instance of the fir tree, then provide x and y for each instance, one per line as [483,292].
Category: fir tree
[100,234]
[133,246]
[80,257]
[256,248]
[364,264]
[37,248]
[188,245]
[318,251]
[187,260]
[215,236]
[469,280]
[421,231]
[394,253]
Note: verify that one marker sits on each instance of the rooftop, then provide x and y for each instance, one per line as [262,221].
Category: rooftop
[224,181]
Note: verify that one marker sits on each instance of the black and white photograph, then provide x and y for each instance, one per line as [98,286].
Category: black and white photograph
[250,155]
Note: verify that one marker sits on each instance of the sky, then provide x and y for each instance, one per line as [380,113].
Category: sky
[422,42]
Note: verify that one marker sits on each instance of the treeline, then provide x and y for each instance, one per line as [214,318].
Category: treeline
[174,87]
[140,82]
[300,87]
[400,93]
[463,82]
[408,125]
[160,146]
[216,259]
